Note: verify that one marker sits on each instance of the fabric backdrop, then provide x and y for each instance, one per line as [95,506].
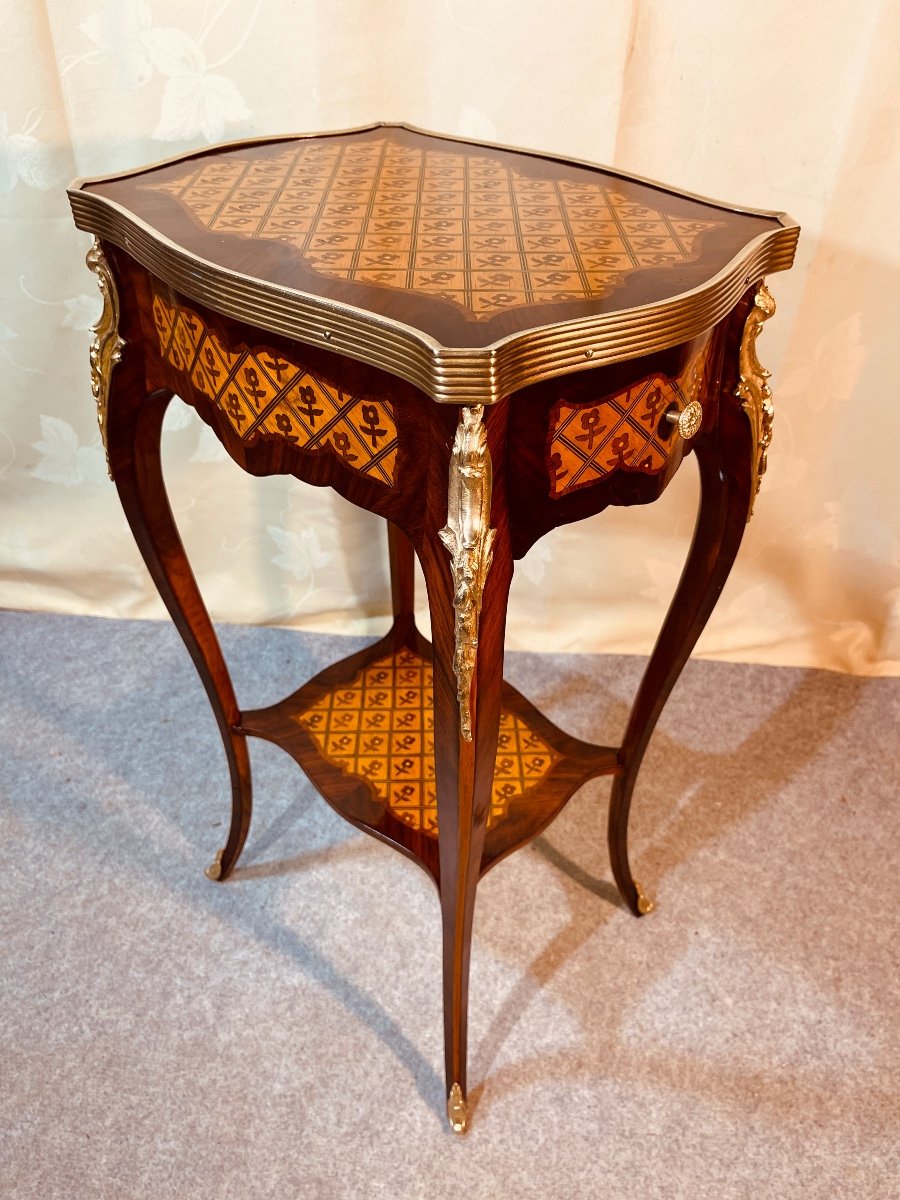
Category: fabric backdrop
[781,106]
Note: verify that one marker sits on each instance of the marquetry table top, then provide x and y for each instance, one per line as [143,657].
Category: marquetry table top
[455,264]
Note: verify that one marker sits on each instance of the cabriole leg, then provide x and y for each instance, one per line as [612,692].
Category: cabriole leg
[731,458]
[468,570]
[402,560]
[134,436]
[131,424]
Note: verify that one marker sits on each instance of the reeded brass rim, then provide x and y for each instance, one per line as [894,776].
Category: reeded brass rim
[469,375]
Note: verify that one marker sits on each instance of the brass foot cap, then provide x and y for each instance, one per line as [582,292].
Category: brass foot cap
[214,870]
[457,1113]
[644,903]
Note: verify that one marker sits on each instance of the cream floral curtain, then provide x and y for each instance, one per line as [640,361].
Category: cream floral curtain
[788,106]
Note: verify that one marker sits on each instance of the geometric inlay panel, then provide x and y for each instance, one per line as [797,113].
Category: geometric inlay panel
[588,441]
[380,727]
[462,226]
[262,391]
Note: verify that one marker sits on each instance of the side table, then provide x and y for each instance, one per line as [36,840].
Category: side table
[478,344]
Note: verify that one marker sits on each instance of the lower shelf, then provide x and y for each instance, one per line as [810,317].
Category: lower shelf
[362,730]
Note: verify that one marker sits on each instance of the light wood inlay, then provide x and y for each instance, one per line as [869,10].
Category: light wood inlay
[622,432]
[462,226]
[380,727]
[262,391]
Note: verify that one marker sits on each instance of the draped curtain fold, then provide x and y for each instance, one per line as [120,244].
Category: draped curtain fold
[777,106]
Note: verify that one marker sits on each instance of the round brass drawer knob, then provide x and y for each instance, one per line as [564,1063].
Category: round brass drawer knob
[689,419]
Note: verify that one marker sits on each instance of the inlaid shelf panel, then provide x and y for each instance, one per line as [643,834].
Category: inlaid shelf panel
[363,731]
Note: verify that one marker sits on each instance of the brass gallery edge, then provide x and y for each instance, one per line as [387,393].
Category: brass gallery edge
[481,375]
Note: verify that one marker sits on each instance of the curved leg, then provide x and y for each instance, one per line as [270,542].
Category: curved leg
[134,427]
[464,773]
[401,556]
[724,459]
[467,566]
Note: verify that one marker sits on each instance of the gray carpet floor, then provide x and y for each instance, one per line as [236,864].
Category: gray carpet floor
[280,1035]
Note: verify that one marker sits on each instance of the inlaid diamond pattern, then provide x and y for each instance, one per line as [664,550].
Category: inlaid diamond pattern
[461,226]
[621,432]
[380,727]
[262,391]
